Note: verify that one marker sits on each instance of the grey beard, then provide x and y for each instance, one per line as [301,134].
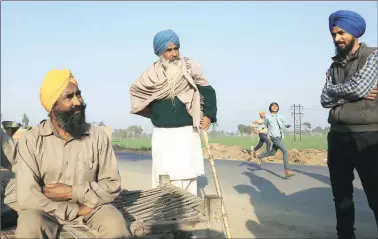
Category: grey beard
[170,63]
[173,71]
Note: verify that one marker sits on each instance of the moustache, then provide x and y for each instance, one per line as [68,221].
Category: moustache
[339,43]
[172,59]
[74,109]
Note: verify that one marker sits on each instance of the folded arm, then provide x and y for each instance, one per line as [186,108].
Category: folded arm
[29,190]
[361,84]
[108,186]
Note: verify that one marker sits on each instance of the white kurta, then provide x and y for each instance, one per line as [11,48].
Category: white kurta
[177,152]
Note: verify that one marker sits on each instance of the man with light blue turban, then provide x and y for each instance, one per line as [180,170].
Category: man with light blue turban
[350,92]
[163,39]
[175,94]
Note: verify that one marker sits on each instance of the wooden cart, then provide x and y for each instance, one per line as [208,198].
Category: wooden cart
[166,210]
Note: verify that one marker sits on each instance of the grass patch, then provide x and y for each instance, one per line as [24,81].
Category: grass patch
[138,143]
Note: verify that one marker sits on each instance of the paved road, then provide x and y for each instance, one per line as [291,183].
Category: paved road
[262,204]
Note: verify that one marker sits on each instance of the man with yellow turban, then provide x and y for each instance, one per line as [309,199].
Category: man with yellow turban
[262,130]
[350,92]
[174,93]
[67,169]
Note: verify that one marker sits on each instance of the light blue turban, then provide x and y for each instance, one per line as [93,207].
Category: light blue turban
[349,21]
[163,39]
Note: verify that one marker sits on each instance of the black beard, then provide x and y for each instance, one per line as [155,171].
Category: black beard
[345,51]
[71,121]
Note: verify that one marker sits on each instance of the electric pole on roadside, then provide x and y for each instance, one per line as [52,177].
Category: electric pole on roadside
[297,114]
[293,114]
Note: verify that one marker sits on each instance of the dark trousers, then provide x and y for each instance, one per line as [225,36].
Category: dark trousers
[278,145]
[346,152]
[263,139]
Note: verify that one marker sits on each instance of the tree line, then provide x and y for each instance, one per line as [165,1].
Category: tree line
[133,131]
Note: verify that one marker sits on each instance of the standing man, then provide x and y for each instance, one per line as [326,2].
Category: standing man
[275,124]
[67,171]
[176,96]
[350,92]
[262,131]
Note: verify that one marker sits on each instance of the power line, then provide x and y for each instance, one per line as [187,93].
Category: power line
[315,109]
[306,109]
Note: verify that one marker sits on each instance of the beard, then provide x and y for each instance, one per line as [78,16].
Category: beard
[346,50]
[171,64]
[173,70]
[72,121]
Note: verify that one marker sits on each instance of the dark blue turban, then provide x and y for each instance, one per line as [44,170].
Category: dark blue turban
[163,39]
[349,21]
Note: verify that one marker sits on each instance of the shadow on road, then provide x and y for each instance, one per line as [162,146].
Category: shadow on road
[202,183]
[319,177]
[307,213]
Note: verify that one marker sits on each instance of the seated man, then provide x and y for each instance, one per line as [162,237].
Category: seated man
[67,170]
[8,185]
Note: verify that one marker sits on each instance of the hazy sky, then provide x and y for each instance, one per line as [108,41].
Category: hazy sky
[253,53]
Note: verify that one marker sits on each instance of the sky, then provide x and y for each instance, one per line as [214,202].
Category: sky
[253,53]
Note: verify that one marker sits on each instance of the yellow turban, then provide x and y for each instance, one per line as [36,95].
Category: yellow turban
[261,112]
[53,86]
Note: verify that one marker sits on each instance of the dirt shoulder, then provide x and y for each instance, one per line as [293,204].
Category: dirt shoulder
[220,151]
[132,150]
[296,156]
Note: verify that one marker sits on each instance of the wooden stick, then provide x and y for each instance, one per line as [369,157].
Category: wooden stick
[217,187]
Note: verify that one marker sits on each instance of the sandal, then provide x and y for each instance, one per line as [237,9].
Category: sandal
[259,161]
[289,174]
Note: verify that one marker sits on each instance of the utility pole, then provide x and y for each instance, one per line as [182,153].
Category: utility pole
[300,108]
[293,114]
[297,114]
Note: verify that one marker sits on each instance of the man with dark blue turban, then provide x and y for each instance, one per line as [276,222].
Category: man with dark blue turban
[178,99]
[349,21]
[350,92]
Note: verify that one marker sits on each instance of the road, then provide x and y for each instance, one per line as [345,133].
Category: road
[260,203]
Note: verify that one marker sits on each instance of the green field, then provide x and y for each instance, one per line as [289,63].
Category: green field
[308,142]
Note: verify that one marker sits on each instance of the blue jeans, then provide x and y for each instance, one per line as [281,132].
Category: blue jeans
[277,144]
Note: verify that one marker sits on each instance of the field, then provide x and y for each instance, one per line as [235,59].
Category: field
[307,142]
